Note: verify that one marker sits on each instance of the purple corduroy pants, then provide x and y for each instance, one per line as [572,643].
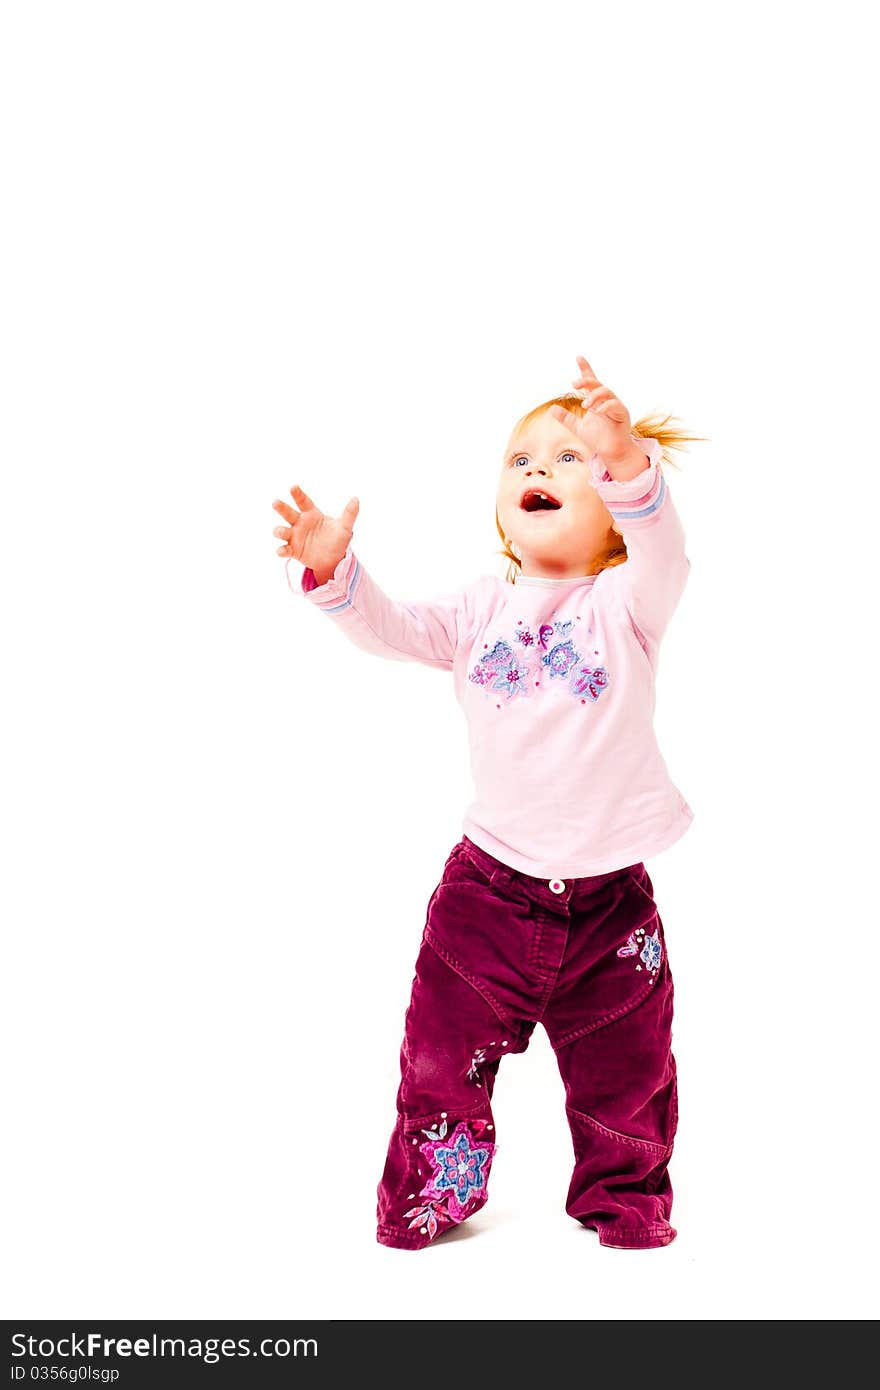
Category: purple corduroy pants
[501,951]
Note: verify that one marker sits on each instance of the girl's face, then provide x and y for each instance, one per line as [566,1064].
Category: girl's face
[552,542]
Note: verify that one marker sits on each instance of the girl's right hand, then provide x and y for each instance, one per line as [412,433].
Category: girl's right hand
[317,541]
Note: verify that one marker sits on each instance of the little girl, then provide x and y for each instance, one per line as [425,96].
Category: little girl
[544,912]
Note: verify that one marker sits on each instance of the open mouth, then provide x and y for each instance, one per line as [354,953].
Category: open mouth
[536,501]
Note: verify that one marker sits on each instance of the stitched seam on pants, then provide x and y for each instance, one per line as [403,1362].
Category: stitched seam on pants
[632,877]
[661,1150]
[468,977]
[546,995]
[411,1123]
[548,974]
[602,1022]
[535,945]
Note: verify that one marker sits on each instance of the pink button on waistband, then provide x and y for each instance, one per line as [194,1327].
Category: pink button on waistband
[556,885]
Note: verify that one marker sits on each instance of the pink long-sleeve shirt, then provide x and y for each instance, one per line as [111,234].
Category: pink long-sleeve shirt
[557,681]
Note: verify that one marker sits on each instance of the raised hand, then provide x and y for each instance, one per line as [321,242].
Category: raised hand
[605,427]
[318,541]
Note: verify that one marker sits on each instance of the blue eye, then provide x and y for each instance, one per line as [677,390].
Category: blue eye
[523,458]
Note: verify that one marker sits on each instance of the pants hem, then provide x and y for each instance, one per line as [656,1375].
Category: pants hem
[400,1240]
[636,1237]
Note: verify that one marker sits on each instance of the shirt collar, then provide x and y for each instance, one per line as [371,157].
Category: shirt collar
[543,580]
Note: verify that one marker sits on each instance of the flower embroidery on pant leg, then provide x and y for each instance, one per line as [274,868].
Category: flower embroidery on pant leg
[428,1217]
[652,952]
[449,1191]
[473,1072]
[460,1169]
[649,949]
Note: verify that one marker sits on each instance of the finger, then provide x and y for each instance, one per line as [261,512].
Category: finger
[302,499]
[598,397]
[588,376]
[568,418]
[283,532]
[611,410]
[284,550]
[286,511]
[584,365]
[349,512]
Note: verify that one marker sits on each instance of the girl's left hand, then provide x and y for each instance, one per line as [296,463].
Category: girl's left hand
[606,425]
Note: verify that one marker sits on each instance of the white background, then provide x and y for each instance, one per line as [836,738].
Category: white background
[251,245]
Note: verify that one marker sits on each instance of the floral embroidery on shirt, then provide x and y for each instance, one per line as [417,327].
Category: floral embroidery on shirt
[589,680]
[500,654]
[560,659]
[551,651]
[500,670]
[512,680]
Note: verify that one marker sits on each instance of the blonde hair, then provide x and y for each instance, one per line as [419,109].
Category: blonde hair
[648,427]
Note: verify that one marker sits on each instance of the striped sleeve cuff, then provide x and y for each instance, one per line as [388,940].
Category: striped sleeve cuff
[637,502]
[338,591]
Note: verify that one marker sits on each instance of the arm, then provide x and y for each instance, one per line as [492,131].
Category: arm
[654,575]
[401,631]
